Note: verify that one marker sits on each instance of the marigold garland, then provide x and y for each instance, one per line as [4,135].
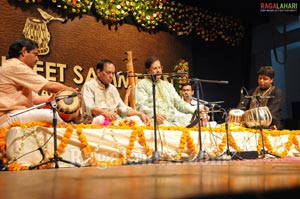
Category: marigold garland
[154,15]
[186,141]
[142,141]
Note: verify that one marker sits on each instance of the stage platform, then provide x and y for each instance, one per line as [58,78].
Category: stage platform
[117,162]
[260,178]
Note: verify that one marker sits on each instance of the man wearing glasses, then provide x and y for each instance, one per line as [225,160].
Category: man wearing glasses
[101,100]
[187,92]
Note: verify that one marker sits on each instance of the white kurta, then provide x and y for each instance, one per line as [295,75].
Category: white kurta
[96,95]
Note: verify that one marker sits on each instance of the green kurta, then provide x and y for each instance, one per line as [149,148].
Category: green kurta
[168,102]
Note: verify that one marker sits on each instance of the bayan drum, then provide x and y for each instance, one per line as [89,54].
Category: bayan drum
[68,106]
[235,116]
[257,117]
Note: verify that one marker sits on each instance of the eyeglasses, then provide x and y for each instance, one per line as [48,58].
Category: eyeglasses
[108,73]
[183,90]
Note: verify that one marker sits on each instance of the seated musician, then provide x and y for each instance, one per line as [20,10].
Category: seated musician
[19,82]
[101,100]
[171,110]
[187,92]
[268,94]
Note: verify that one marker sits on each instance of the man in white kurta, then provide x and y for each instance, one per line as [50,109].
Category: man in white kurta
[101,100]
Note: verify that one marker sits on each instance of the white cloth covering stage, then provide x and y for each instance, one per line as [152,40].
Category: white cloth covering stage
[107,144]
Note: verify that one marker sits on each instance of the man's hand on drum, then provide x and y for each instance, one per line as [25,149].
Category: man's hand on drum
[37,99]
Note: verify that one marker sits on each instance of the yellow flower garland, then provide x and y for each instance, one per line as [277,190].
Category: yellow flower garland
[138,132]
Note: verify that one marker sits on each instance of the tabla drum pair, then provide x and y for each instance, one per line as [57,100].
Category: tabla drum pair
[68,108]
[251,118]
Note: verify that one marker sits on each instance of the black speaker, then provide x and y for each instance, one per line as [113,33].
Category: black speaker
[248,154]
[296,110]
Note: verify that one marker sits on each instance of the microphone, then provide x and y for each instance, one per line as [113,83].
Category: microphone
[211,104]
[214,105]
[123,73]
[242,98]
[242,92]
[202,101]
[141,76]
[74,94]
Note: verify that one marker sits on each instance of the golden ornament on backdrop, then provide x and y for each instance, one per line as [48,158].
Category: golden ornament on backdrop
[37,30]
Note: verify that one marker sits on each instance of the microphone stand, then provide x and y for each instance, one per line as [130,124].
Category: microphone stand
[155,152]
[228,152]
[201,153]
[55,157]
[156,156]
[263,150]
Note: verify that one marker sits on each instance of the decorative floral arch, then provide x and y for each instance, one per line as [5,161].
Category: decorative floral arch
[153,15]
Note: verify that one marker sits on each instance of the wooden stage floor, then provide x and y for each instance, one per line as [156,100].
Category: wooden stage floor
[259,178]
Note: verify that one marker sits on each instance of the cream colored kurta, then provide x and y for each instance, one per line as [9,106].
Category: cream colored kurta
[168,102]
[95,95]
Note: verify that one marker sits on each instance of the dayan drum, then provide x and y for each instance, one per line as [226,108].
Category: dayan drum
[68,106]
[235,116]
[258,116]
